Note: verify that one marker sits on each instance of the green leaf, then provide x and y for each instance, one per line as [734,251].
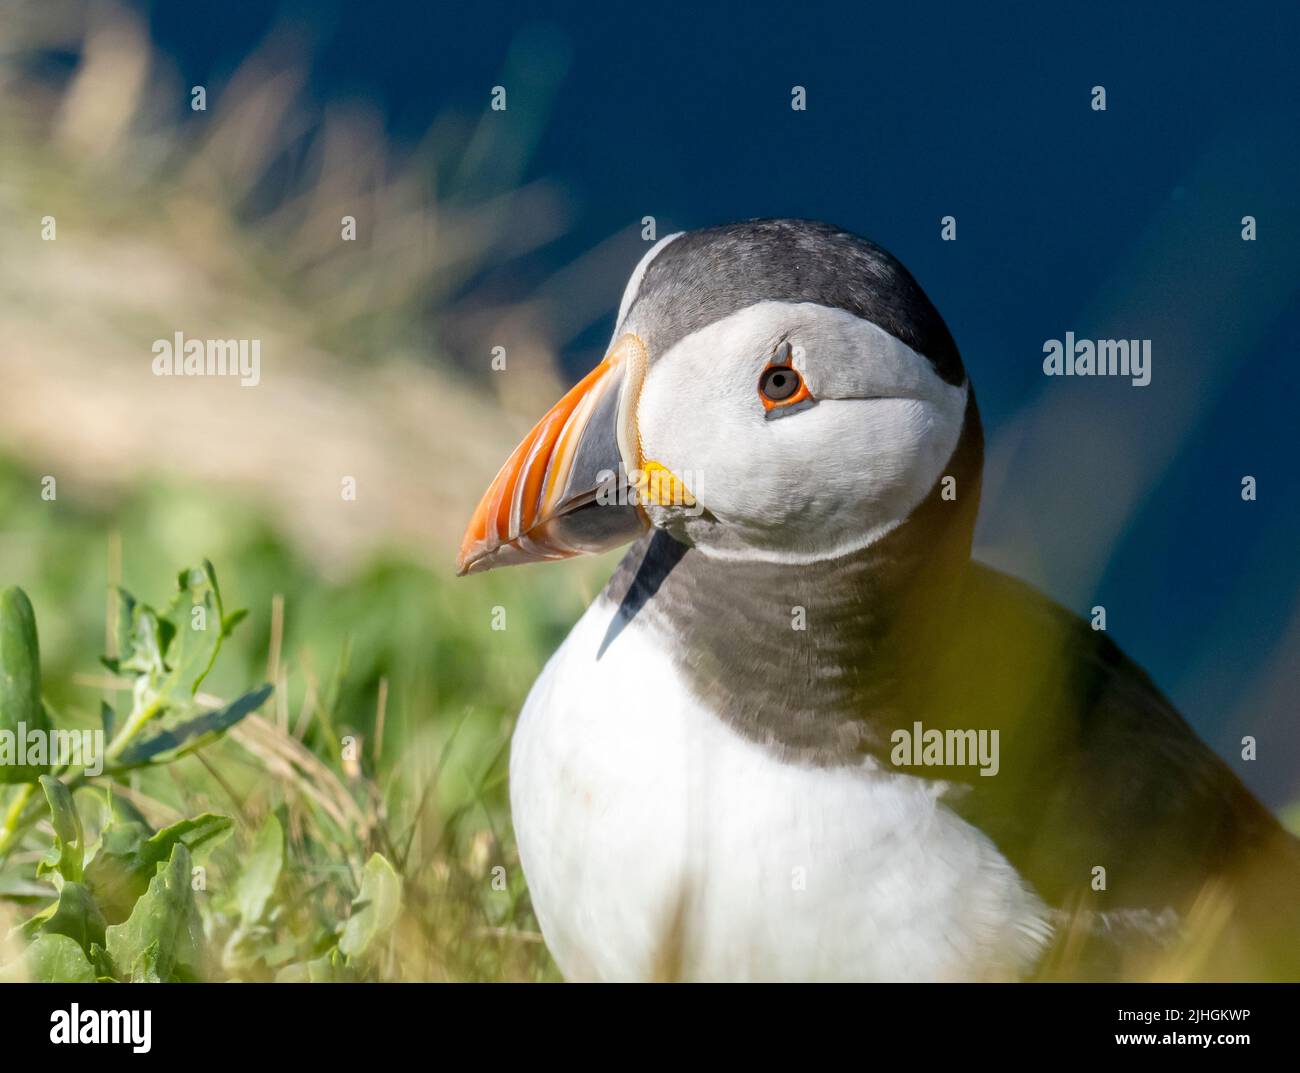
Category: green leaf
[162,940]
[68,852]
[144,639]
[107,719]
[21,710]
[374,911]
[105,970]
[195,651]
[167,655]
[118,873]
[75,915]
[56,959]
[257,882]
[196,833]
[186,737]
[129,853]
[232,620]
[124,627]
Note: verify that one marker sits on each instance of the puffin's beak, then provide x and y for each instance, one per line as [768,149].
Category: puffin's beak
[544,504]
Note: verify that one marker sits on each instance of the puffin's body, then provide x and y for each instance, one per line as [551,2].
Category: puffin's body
[706,781]
[660,843]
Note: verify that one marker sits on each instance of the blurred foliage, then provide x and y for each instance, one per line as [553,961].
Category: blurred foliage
[363,806]
[379,846]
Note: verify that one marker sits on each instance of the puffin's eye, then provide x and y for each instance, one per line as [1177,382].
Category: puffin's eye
[781,388]
[779,383]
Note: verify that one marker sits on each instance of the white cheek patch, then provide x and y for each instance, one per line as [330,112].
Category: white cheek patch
[826,481]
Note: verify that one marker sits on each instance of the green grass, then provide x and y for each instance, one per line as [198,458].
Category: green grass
[167,219]
[431,797]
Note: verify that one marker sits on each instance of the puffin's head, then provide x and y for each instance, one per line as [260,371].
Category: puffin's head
[775,389]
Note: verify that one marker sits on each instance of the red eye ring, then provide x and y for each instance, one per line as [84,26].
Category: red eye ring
[780,386]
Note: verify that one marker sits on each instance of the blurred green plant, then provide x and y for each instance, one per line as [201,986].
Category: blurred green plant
[127,904]
[353,824]
[393,699]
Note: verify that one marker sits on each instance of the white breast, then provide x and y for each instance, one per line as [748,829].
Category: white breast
[658,843]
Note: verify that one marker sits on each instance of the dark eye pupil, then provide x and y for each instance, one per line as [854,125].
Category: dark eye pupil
[779,383]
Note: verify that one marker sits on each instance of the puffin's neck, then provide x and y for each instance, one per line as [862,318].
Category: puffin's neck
[814,658]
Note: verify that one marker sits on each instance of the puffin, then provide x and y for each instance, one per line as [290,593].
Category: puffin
[746,761]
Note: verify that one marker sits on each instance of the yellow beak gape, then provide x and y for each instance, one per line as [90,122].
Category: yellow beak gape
[660,487]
